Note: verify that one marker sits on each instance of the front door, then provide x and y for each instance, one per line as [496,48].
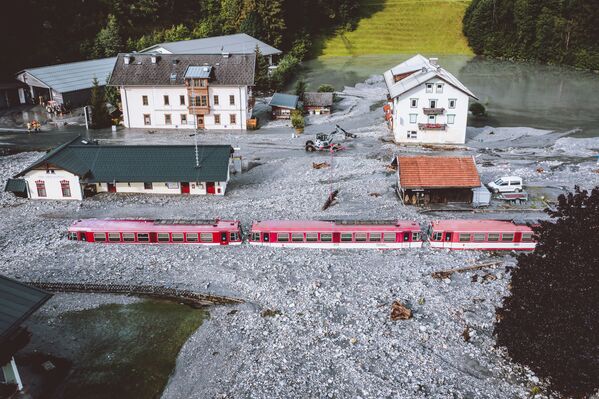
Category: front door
[200,121]
[210,188]
[111,188]
[223,238]
[184,188]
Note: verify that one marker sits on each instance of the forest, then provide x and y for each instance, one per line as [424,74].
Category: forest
[40,33]
[548,31]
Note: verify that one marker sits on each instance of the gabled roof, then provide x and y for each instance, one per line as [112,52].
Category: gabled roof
[284,100]
[416,71]
[73,76]
[17,302]
[95,163]
[437,172]
[239,43]
[314,99]
[170,69]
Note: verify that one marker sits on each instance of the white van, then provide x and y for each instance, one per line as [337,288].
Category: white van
[506,184]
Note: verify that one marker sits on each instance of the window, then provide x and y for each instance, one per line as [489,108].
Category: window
[389,237]
[234,236]
[450,119]
[437,236]
[255,236]
[215,100]
[216,119]
[283,237]
[41,188]
[166,100]
[114,237]
[202,82]
[429,87]
[432,118]
[147,119]
[196,101]
[99,236]
[526,237]
[311,237]
[416,236]
[144,100]
[206,237]
[326,237]
[414,102]
[163,237]
[479,237]
[184,119]
[439,87]
[66,188]
[413,118]
[507,237]
[181,100]
[360,237]
[167,119]
[196,82]
[233,119]
[143,237]
[297,237]
[72,236]
[452,102]
[493,237]
[128,237]
[147,186]
[432,103]
[375,237]
[191,237]
[177,237]
[231,100]
[346,237]
[464,237]
[204,100]
[412,134]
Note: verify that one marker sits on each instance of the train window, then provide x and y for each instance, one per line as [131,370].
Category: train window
[255,236]
[191,237]
[507,237]
[114,237]
[493,237]
[143,237]
[206,237]
[526,237]
[177,237]
[99,236]
[375,237]
[389,237]
[283,237]
[311,237]
[437,235]
[128,237]
[479,237]
[464,237]
[72,236]
[346,237]
[327,237]
[361,237]
[415,236]
[297,237]
[163,237]
[234,236]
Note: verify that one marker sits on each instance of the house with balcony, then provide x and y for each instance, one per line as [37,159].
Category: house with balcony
[426,103]
[185,91]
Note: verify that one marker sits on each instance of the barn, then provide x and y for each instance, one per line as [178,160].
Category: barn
[318,103]
[80,168]
[424,180]
[282,105]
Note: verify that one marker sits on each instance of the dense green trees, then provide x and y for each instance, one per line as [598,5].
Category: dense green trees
[553,31]
[100,116]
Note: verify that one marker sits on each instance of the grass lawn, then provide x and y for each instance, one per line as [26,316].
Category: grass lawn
[404,26]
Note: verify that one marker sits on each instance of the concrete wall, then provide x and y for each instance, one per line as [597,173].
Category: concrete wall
[52,184]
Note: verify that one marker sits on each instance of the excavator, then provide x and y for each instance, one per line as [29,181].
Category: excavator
[329,141]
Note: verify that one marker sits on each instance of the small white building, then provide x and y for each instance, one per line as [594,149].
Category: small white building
[185,91]
[427,104]
[79,168]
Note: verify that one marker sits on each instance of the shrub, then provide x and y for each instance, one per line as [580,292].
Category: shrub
[478,109]
[297,119]
[326,88]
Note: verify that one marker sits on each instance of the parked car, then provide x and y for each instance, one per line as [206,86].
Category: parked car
[506,184]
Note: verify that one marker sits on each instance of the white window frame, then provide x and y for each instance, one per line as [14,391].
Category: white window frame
[413,103]
[166,99]
[450,119]
[413,118]
[429,87]
[184,119]
[454,103]
[430,103]
[412,134]
[168,119]
[439,88]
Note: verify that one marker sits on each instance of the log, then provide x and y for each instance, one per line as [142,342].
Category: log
[400,311]
[330,200]
[443,274]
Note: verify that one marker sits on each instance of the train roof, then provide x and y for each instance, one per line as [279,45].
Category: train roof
[469,225]
[333,225]
[151,225]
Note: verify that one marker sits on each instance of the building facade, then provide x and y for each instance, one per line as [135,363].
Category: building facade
[426,103]
[318,103]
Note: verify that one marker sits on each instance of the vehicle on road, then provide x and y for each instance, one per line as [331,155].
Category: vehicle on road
[329,141]
[506,184]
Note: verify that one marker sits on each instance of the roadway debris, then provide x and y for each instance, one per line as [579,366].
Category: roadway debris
[320,165]
[329,202]
[443,274]
[400,311]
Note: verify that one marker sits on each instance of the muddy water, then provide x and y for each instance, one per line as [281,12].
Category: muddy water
[515,94]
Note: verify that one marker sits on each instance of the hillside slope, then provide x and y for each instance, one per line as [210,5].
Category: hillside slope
[404,26]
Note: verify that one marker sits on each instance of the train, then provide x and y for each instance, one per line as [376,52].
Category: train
[456,234]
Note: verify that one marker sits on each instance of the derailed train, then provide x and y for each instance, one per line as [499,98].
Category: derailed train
[488,235]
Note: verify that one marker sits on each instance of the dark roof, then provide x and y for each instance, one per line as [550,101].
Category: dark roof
[438,172]
[234,70]
[95,163]
[284,101]
[17,302]
[16,186]
[314,99]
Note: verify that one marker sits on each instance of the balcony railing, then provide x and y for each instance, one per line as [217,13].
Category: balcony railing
[433,111]
[432,126]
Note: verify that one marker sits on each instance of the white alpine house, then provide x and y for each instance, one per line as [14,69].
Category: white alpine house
[427,104]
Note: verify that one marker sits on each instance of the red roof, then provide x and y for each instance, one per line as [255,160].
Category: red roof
[438,172]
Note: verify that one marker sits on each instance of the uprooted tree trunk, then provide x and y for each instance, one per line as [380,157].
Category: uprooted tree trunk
[330,200]
[400,311]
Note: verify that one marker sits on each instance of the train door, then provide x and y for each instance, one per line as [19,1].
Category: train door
[447,240]
[153,237]
[337,237]
[210,188]
[184,188]
[405,237]
[265,237]
[223,238]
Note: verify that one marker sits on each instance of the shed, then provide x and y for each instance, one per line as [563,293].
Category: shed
[318,103]
[423,180]
[282,105]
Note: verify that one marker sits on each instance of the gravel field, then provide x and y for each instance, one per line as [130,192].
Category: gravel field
[331,335]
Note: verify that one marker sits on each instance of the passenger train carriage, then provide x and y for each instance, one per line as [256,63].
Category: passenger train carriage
[488,235]
[114,231]
[337,234]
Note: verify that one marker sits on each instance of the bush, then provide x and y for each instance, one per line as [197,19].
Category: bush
[284,71]
[325,88]
[550,321]
[300,89]
[478,109]
[297,119]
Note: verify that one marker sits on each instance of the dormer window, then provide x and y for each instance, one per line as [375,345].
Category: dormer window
[429,87]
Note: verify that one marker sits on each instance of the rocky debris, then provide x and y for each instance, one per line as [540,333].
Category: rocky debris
[320,165]
[400,312]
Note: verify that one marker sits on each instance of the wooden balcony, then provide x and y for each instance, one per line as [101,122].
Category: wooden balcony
[432,126]
[433,111]
[198,109]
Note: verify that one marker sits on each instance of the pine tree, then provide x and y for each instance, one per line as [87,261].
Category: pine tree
[100,115]
[261,80]
[108,41]
[300,88]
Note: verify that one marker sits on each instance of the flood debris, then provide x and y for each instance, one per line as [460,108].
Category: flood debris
[376,195]
[444,274]
[320,165]
[466,334]
[330,200]
[270,313]
[400,312]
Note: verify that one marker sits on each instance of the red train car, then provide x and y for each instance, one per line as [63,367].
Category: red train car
[114,231]
[487,235]
[337,234]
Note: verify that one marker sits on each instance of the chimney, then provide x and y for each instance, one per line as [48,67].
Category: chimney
[127,59]
[434,61]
